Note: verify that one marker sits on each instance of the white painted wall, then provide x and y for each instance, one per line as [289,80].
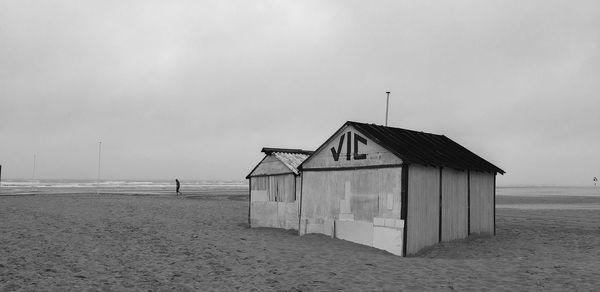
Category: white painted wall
[361,206]
[265,211]
[423,207]
[482,202]
[274,214]
[454,204]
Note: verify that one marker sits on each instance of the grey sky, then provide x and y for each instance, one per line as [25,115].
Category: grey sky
[194,89]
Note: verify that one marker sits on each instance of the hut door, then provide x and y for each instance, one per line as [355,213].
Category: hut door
[281,188]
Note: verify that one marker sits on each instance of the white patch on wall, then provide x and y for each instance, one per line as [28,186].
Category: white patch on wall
[346,216]
[274,214]
[314,226]
[388,234]
[388,239]
[345,207]
[384,233]
[258,196]
[355,231]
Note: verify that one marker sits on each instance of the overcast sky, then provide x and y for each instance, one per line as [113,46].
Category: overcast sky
[194,89]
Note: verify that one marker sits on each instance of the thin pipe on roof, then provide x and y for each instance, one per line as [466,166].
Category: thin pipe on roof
[387,105]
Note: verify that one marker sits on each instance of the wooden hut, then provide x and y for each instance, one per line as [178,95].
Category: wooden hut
[396,189]
[274,188]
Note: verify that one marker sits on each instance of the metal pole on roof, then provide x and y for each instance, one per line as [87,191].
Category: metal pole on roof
[387,105]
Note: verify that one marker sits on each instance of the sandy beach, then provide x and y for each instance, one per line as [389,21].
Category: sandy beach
[85,242]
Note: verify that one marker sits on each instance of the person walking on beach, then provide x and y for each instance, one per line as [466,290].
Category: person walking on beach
[177,192]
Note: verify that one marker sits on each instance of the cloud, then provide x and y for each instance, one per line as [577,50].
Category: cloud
[197,88]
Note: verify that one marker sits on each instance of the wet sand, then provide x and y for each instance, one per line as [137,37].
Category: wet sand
[541,202]
[202,242]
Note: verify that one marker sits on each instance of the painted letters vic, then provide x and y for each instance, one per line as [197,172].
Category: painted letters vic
[357,138]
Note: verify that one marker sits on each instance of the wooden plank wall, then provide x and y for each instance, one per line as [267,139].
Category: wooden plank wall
[320,198]
[454,204]
[280,188]
[370,189]
[274,214]
[369,193]
[423,207]
[259,183]
[298,190]
[482,202]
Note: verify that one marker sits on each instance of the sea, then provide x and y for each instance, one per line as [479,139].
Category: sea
[525,197]
[165,187]
[140,187]
[538,191]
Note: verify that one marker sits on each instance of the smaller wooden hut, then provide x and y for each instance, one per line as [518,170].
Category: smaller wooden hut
[274,188]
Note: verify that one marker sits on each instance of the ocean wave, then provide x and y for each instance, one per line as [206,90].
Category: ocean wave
[117,184]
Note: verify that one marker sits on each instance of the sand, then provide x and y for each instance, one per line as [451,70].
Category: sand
[124,242]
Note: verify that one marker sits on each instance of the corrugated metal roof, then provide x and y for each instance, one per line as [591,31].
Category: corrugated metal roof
[424,148]
[269,150]
[290,159]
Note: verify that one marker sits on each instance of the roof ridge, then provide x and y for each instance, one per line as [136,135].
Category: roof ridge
[269,150]
[425,148]
[291,160]
[388,127]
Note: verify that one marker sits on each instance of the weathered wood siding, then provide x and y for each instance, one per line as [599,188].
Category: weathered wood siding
[279,188]
[482,202]
[454,204]
[274,214]
[259,183]
[298,189]
[422,221]
[361,194]
[273,202]
[270,165]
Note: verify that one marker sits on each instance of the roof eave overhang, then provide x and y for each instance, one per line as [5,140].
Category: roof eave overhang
[406,161]
[250,174]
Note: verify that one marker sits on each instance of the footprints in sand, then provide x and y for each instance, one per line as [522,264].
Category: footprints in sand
[120,243]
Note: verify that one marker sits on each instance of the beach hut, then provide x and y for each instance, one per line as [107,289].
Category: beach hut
[395,189]
[275,187]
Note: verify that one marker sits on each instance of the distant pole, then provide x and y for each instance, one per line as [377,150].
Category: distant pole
[387,104]
[98,178]
[33,171]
